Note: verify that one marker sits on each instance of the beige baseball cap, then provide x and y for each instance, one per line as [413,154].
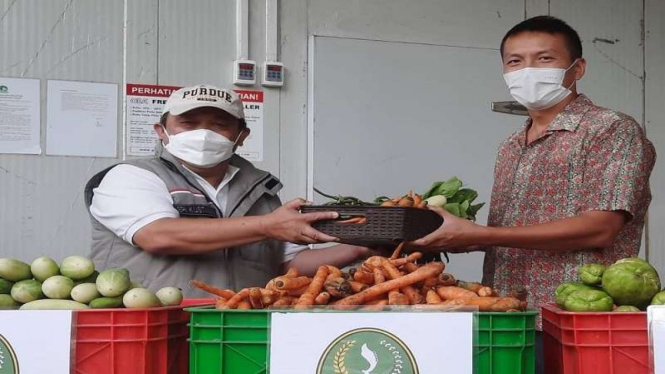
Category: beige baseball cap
[203,95]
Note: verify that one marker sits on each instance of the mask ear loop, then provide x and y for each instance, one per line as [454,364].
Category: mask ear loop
[167,133]
[570,67]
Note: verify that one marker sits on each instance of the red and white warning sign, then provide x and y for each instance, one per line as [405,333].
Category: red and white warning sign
[144,107]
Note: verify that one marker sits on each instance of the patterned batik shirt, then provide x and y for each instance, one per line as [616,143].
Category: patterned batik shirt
[590,159]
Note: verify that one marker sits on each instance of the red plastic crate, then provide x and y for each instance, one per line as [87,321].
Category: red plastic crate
[133,341]
[587,342]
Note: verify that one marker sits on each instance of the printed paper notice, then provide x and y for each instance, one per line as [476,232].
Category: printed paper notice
[252,150]
[82,119]
[371,343]
[144,108]
[35,341]
[19,116]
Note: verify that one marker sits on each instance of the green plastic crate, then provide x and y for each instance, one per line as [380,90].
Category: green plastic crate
[237,342]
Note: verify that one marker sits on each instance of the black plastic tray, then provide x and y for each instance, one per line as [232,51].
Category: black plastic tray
[385,226]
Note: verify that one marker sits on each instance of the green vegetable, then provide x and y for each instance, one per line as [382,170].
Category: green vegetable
[133,285]
[57,287]
[27,290]
[92,278]
[5,286]
[170,296]
[447,188]
[140,298]
[6,302]
[43,268]
[85,292]
[106,302]
[631,282]
[588,301]
[77,267]
[464,194]
[438,200]
[14,270]
[566,288]
[453,208]
[626,308]
[48,304]
[591,274]
[659,298]
[113,282]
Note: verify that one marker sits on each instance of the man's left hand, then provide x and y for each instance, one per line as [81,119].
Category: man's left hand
[455,234]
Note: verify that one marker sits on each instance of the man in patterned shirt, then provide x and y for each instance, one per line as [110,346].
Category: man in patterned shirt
[571,187]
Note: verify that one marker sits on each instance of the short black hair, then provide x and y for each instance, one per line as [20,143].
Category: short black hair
[162,121]
[550,25]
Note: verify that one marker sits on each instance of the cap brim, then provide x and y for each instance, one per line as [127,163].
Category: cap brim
[186,107]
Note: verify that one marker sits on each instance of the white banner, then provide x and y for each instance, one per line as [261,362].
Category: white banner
[371,343]
[656,323]
[35,341]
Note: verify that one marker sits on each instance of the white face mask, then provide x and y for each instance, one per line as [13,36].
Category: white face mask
[202,148]
[538,88]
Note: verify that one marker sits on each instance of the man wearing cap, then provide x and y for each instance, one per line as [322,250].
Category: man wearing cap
[148,215]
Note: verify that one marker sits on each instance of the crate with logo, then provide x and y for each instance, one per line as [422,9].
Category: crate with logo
[238,342]
[595,342]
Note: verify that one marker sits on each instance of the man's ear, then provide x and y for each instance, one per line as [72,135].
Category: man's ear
[159,129]
[580,68]
[243,135]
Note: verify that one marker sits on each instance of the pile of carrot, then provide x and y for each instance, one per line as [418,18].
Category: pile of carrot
[379,283]
[409,200]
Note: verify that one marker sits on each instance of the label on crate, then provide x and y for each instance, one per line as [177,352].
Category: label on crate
[656,322]
[35,341]
[371,343]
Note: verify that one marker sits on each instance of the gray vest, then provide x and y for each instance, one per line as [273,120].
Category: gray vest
[252,192]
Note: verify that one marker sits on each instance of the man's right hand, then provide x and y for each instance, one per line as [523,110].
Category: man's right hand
[289,225]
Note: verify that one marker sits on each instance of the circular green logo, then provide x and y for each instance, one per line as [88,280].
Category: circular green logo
[367,351]
[8,361]
[4,89]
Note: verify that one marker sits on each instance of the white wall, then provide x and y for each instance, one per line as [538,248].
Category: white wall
[175,43]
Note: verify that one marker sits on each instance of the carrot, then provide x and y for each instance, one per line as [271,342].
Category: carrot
[227,294]
[378,276]
[283,302]
[289,283]
[388,203]
[292,272]
[410,267]
[271,285]
[471,286]
[397,298]
[446,279]
[398,251]
[372,262]
[380,305]
[357,286]
[417,199]
[415,256]
[485,291]
[314,288]
[363,277]
[354,220]
[237,298]
[297,292]
[220,303]
[414,296]
[422,205]
[256,298]
[491,304]
[453,292]
[430,282]
[334,271]
[423,272]
[406,202]
[519,293]
[322,298]
[244,305]
[338,287]
[432,297]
